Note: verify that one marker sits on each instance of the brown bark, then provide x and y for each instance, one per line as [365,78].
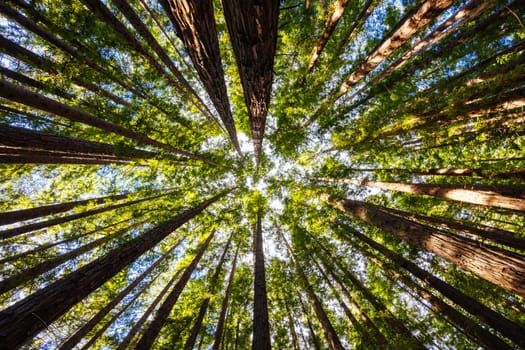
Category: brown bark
[253,33]
[501,324]
[151,332]
[331,23]
[60,220]
[367,9]
[195,23]
[19,94]
[224,308]
[99,316]
[192,338]
[26,318]
[500,267]
[409,25]
[261,326]
[508,197]
[331,335]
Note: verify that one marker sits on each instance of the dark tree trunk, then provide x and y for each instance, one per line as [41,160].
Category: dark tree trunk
[253,32]
[195,24]
[500,267]
[26,318]
[151,332]
[501,324]
[99,316]
[261,325]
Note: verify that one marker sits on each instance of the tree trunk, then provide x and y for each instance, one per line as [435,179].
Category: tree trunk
[315,340]
[508,197]
[26,318]
[291,325]
[151,332]
[253,33]
[224,308]
[501,324]
[500,267]
[410,24]
[18,94]
[192,338]
[194,22]
[331,336]
[99,316]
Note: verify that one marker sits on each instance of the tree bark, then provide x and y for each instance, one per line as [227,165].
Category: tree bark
[151,332]
[508,197]
[500,267]
[253,33]
[195,24]
[261,326]
[501,324]
[26,318]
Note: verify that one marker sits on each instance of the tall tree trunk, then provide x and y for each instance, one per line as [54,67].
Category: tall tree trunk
[99,316]
[253,33]
[26,318]
[224,308]
[194,22]
[409,25]
[331,335]
[508,197]
[315,340]
[331,23]
[501,324]
[497,266]
[291,325]
[31,99]
[151,332]
[261,326]
[192,338]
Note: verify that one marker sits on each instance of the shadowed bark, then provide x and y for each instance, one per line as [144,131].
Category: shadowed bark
[252,26]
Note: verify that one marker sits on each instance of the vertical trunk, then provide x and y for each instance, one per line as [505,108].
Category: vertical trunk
[315,340]
[195,23]
[331,336]
[291,325]
[508,197]
[261,325]
[500,267]
[192,338]
[99,316]
[224,308]
[151,332]
[23,320]
[501,324]
[253,32]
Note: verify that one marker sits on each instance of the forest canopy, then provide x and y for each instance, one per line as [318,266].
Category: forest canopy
[319,174]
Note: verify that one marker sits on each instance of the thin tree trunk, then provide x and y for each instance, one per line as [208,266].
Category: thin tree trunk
[317,346]
[253,33]
[508,197]
[19,94]
[291,325]
[195,24]
[331,336]
[23,320]
[151,332]
[367,9]
[224,308]
[261,326]
[99,316]
[501,324]
[192,338]
[500,267]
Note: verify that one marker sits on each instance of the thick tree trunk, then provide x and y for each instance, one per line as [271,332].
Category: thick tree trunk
[151,332]
[331,335]
[501,324]
[99,316]
[508,197]
[195,24]
[253,33]
[500,267]
[224,308]
[26,318]
[410,24]
[261,325]
[19,94]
